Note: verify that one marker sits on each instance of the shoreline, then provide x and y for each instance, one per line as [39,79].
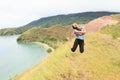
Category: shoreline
[45,45]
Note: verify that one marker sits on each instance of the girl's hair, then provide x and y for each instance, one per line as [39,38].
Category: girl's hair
[75,28]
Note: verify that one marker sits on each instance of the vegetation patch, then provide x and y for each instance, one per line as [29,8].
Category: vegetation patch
[113,30]
[49,50]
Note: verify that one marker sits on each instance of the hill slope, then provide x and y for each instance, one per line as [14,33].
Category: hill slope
[58,19]
[100,61]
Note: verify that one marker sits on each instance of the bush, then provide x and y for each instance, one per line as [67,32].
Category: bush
[49,50]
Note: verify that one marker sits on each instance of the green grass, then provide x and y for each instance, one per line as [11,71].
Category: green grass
[100,61]
[116,16]
[113,30]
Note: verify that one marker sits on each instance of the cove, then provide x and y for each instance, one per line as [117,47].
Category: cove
[16,58]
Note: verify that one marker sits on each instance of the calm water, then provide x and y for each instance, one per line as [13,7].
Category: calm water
[16,58]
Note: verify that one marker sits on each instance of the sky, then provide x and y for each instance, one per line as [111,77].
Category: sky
[15,13]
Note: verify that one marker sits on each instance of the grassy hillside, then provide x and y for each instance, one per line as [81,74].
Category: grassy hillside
[100,61]
[58,19]
[117,16]
[49,36]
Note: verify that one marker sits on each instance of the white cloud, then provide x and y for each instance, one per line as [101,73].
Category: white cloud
[20,12]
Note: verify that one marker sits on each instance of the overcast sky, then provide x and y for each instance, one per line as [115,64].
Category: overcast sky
[14,13]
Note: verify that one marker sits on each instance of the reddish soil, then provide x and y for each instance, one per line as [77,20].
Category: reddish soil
[97,24]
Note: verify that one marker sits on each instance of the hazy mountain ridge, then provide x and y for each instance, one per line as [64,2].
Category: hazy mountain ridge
[53,20]
[68,19]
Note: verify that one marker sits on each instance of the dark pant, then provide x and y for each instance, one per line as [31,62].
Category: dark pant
[76,43]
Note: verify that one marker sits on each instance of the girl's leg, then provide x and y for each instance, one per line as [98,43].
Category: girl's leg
[81,46]
[75,45]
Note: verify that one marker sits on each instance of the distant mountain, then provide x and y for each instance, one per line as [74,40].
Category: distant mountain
[68,19]
[58,19]
[13,31]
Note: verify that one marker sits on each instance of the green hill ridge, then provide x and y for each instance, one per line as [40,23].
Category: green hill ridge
[68,19]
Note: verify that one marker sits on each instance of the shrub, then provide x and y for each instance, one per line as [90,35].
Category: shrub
[49,50]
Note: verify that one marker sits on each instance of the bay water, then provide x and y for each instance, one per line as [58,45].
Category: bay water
[16,58]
